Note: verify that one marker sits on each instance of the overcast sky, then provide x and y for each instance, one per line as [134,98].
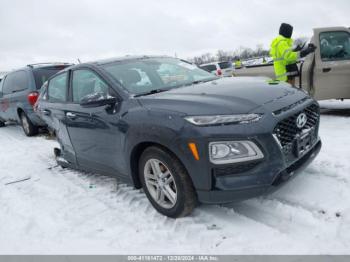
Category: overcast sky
[64,30]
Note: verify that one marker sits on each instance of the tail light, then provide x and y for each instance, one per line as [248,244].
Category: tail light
[219,72]
[33,97]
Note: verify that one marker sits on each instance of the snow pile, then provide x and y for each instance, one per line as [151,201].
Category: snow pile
[61,211]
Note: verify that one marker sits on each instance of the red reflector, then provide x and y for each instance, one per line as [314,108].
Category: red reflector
[32,98]
[219,73]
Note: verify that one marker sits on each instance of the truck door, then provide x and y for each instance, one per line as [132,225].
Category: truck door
[332,67]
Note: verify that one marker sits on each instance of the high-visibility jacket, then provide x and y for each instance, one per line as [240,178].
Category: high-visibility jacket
[238,64]
[282,53]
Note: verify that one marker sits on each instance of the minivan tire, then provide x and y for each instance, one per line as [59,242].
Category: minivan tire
[186,198]
[27,125]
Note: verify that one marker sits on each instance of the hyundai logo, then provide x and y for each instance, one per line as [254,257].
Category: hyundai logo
[301,120]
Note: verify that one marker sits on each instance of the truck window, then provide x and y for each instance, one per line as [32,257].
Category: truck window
[335,46]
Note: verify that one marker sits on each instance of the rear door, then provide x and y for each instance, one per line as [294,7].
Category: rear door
[95,132]
[51,108]
[332,67]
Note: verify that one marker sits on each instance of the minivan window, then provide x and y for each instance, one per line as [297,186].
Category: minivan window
[86,82]
[41,75]
[224,65]
[57,89]
[335,45]
[143,75]
[16,81]
[209,68]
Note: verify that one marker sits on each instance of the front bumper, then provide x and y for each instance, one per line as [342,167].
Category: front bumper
[282,157]
[220,196]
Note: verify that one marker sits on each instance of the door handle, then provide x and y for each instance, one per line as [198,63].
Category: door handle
[46,112]
[326,70]
[71,115]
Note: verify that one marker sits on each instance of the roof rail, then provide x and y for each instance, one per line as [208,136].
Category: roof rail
[49,63]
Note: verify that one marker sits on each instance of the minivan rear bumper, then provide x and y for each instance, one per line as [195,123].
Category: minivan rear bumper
[239,194]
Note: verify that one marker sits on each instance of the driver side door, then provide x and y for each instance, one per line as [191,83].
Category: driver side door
[93,130]
[332,68]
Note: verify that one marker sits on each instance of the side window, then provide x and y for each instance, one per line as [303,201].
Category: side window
[335,46]
[208,68]
[14,82]
[57,89]
[20,81]
[86,82]
[1,83]
[6,88]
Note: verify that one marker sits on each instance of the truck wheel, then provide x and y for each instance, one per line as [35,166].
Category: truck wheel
[166,183]
[27,125]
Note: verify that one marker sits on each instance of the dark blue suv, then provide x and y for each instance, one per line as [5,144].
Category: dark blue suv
[19,91]
[182,134]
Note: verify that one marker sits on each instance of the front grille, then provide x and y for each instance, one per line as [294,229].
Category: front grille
[286,130]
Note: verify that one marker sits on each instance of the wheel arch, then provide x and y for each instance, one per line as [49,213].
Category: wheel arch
[136,154]
[19,112]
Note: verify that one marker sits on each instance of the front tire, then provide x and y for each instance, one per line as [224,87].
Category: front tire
[2,124]
[27,125]
[166,183]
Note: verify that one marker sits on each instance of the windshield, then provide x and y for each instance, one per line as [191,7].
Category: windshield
[144,75]
[42,74]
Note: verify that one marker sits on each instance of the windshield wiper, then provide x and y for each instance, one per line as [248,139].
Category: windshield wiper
[200,81]
[155,91]
[151,92]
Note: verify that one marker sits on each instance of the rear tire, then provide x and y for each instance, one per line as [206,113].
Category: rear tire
[2,124]
[169,188]
[27,125]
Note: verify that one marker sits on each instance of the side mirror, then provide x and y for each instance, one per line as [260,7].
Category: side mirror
[97,99]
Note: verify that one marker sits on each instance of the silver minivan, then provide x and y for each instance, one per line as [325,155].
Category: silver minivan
[223,69]
[19,91]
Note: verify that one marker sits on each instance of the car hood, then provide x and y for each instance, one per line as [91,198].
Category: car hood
[234,95]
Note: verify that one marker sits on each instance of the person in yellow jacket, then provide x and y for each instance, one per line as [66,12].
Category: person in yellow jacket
[285,57]
[238,63]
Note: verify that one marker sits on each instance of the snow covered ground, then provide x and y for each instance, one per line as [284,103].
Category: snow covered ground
[68,212]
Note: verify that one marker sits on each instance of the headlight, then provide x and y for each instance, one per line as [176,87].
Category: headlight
[222,119]
[225,152]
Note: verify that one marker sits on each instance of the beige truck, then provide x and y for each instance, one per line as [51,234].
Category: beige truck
[324,74]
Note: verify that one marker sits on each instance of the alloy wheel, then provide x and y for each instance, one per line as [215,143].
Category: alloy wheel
[160,183]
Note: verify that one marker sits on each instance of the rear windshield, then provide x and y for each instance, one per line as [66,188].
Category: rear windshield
[208,68]
[42,74]
[224,65]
